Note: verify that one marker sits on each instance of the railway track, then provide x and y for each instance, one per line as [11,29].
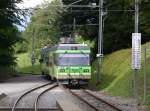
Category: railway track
[51,86]
[30,109]
[93,101]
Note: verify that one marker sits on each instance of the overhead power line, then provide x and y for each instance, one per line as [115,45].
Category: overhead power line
[106,10]
[74,10]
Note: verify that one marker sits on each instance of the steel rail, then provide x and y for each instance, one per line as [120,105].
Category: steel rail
[29,109]
[76,95]
[104,101]
[24,94]
[37,99]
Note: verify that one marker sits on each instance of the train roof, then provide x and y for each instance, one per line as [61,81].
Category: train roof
[66,47]
[73,45]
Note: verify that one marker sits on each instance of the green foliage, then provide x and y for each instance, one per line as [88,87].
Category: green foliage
[8,37]
[80,40]
[24,64]
[90,43]
[45,23]
[9,13]
[6,72]
[21,47]
[119,25]
[9,34]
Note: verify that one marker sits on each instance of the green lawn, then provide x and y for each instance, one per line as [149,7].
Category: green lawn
[24,64]
[117,75]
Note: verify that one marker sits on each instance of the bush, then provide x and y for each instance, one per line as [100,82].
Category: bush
[6,72]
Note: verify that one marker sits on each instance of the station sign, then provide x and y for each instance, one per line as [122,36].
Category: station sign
[136,50]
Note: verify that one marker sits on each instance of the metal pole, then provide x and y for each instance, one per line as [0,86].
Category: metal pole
[145,74]
[136,70]
[100,26]
[74,30]
[74,24]
[100,39]
[136,16]
[136,85]
[33,51]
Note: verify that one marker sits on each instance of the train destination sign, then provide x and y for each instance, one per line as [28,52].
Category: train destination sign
[136,50]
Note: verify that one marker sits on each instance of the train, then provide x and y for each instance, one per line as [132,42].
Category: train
[66,62]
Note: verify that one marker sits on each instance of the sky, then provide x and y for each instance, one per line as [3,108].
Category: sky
[29,4]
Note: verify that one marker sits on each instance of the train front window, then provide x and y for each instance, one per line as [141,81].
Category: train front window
[73,59]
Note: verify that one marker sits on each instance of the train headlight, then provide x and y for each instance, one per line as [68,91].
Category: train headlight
[86,70]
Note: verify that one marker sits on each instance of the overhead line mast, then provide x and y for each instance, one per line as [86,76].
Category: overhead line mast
[100,40]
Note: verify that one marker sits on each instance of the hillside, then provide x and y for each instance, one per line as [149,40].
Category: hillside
[117,75]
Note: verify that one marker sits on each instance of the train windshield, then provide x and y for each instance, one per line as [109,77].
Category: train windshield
[73,59]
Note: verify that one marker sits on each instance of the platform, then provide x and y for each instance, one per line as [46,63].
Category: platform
[66,105]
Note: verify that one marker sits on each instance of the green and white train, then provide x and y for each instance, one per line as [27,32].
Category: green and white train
[69,62]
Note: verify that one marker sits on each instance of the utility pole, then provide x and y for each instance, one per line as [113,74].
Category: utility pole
[136,16]
[100,40]
[136,70]
[74,26]
[33,51]
[74,29]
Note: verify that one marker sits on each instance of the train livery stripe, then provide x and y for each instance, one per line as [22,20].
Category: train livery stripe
[73,51]
[75,69]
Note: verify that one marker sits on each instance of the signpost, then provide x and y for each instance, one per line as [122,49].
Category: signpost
[136,61]
[136,51]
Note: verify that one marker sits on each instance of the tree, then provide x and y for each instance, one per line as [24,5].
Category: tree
[119,25]
[45,23]
[9,34]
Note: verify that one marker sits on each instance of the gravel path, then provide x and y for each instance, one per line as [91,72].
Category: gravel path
[13,88]
[20,84]
[124,104]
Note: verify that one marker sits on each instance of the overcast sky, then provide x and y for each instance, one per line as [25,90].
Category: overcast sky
[31,3]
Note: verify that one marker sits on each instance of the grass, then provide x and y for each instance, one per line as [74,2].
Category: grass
[117,75]
[24,64]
